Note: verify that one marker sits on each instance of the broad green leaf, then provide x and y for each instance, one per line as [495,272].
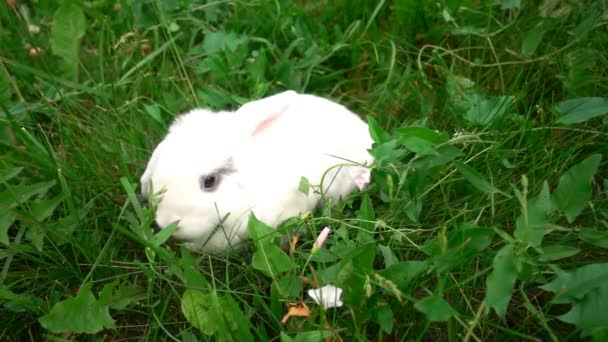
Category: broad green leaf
[510,4]
[587,23]
[42,209]
[154,111]
[574,189]
[238,325]
[385,318]
[312,336]
[271,260]
[590,313]
[532,40]
[403,273]
[36,234]
[9,174]
[259,231]
[19,302]
[475,178]
[593,236]
[532,225]
[215,42]
[458,246]
[388,255]
[68,28]
[501,281]
[557,252]
[445,155]
[304,186]
[485,111]
[197,308]
[581,109]
[80,314]
[388,151]
[421,140]
[378,134]
[7,219]
[573,285]
[435,308]
[289,286]
[367,218]
[21,193]
[118,295]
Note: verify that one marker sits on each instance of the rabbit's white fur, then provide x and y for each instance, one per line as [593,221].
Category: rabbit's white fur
[261,150]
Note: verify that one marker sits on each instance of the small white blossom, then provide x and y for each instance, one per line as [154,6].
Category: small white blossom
[327,296]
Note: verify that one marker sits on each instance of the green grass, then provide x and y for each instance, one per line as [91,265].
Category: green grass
[474,229]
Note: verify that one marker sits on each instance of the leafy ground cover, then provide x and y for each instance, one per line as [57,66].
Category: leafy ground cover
[487,217]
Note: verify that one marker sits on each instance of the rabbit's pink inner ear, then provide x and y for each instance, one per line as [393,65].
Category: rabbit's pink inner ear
[267,123]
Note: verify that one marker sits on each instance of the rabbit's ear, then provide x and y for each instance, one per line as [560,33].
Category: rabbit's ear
[145,178]
[261,114]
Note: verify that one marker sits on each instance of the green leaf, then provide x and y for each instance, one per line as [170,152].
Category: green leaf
[421,140]
[510,4]
[21,193]
[164,234]
[457,246]
[312,336]
[574,189]
[238,325]
[475,178]
[42,209]
[532,225]
[385,318]
[68,28]
[485,111]
[154,111]
[389,256]
[557,252]
[501,281]
[215,42]
[19,302]
[196,307]
[589,314]
[304,186]
[378,134]
[259,231]
[81,314]
[435,308]
[532,40]
[289,287]
[573,285]
[587,24]
[367,218]
[271,260]
[7,219]
[403,273]
[36,234]
[118,295]
[581,109]
[9,174]
[593,236]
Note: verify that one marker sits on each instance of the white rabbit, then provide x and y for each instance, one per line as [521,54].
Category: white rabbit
[215,168]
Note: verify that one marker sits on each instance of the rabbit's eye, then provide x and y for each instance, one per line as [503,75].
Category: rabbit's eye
[209,182]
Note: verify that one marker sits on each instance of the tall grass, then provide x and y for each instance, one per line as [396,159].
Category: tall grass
[486,219]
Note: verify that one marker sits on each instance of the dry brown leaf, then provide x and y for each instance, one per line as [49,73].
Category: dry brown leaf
[296,309]
[292,244]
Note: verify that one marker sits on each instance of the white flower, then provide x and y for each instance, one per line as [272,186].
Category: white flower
[328,296]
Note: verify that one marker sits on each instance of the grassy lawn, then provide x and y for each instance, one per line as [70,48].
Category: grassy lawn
[486,218]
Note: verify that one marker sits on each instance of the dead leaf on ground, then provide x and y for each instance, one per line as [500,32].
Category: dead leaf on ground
[296,309]
[292,244]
